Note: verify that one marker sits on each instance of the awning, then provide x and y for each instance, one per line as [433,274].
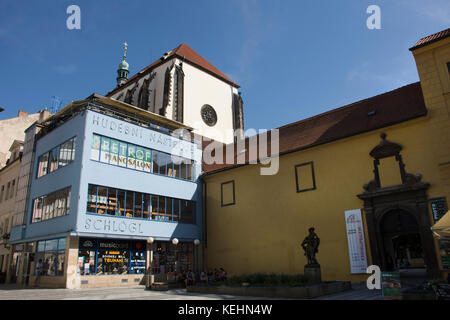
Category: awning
[442,227]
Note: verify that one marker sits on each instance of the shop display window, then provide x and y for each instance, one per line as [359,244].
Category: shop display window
[52,254]
[111,257]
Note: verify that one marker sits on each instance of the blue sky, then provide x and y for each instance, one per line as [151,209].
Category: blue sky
[293,59]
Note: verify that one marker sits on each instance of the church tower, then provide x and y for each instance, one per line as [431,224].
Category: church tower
[122,72]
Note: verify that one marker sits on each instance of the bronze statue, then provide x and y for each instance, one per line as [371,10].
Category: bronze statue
[311,246]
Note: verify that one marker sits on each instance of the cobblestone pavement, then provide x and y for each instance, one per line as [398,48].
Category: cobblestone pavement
[10,292]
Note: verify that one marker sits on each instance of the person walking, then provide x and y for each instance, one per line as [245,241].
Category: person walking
[38,272]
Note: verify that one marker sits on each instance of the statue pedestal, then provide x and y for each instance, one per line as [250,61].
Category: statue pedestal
[313,273]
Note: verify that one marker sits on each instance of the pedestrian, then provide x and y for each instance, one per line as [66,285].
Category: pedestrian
[223,274]
[38,272]
[203,277]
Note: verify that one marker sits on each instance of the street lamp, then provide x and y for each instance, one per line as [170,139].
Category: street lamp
[150,241]
[175,242]
[196,243]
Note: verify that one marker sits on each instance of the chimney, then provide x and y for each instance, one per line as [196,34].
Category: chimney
[22,113]
[43,115]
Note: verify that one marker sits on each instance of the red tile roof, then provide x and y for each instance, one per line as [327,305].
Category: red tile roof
[185,53]
[373,113]
[431,38]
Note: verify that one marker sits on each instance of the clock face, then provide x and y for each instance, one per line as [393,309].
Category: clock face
[209,115]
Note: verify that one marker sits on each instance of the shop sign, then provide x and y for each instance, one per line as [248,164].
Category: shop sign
[356,241]
[147,136]
[112,225]
[391,284]
[438,207]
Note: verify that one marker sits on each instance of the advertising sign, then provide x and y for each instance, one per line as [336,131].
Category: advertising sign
[356,241]
[438,207]
[391,284]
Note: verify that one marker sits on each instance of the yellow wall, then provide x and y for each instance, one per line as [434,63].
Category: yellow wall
[262,232]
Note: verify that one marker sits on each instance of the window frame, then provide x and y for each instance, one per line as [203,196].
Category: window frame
[221,194]
[314,187]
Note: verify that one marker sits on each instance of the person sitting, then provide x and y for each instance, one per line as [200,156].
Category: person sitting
[190,280]
[223,274]
[210,276]
[203,277]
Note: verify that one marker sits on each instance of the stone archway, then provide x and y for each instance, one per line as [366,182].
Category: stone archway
[400,240]
[407,202]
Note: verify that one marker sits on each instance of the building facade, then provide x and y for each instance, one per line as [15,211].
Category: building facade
[9,175]
[185,87]
[109,190]
[371,178]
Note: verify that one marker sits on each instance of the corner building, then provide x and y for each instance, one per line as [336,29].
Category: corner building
[109,189]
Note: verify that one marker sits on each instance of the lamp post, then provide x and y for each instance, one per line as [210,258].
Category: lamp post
[150,242]
[175,242]
[196,243]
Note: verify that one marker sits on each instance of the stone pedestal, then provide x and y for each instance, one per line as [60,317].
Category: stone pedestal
[313,273]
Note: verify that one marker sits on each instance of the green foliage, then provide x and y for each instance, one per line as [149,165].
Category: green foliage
[267,280]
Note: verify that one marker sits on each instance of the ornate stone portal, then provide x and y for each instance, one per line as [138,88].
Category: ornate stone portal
[311,247]
[408,199]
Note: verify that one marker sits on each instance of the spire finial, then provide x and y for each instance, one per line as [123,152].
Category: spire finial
[125,46]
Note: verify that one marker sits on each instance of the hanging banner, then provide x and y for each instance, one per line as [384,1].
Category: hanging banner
[356,241]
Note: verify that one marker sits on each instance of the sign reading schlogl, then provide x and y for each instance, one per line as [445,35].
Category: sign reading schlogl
[112,225]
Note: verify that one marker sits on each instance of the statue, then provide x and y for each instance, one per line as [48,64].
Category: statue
[311,246]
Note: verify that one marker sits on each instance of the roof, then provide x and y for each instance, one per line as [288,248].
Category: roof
[184,53]
[15,144]
[380,111]
[431,38]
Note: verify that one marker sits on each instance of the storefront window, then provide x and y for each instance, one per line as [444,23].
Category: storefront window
[52,254]
[170,258]
[110,257]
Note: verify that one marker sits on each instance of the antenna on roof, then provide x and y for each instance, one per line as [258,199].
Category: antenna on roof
[56,103]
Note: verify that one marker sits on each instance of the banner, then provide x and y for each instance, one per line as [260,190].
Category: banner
[356,241]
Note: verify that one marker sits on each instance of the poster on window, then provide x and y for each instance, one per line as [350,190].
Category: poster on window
[122,154]
[139,158]
[104,152]
[356,241]
[131,163]
[95,148]
[147,160]
[114,150]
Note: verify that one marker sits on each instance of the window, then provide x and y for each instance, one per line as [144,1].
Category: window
[58,157]
[304,177]
[92,199]
[448,67]
[51,253]
[137,205]
[7,190]
[134,157]
[43,164]
[13,184]
[51,206]
[227,193]
[129,204]
[107,257]
[1,193]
